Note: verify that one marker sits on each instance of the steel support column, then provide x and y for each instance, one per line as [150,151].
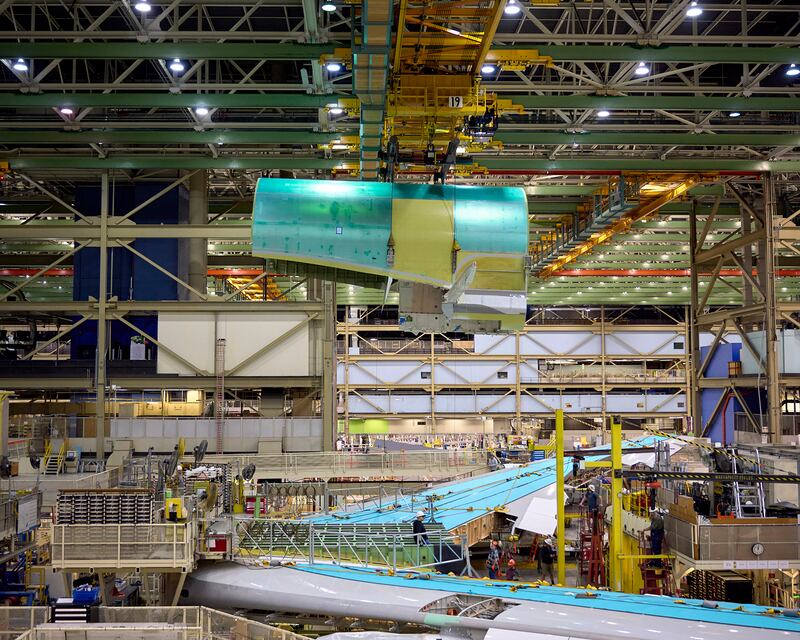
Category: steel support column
[4,396]
[694,327]
[756,320]
[328,394]
[100,367]
[767,263]
[561,556]
[197,247]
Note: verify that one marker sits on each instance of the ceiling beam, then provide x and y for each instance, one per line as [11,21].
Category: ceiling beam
[302,51]
[493,163]
[165,50]
[652,103]
[166,100]
[665,139]
[667,53]
[214,136]
[245,137]
[300,100]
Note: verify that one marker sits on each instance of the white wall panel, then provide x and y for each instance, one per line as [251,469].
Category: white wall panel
[240,434]
[475,371]
[632,343]
[560,343]
[535,403]
[495,345]
[192,336]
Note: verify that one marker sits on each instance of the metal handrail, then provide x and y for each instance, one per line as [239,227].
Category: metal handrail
[280,541]
[344,462]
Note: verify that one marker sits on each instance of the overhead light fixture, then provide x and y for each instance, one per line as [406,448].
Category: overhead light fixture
[488,68]
[734,114]
[642,69]
[333,67]
[792,70]
[603,113]
[66,111]
[201,111]
[20,65]
[142,6]
[694,10]
[328,6]
[177,66]
[512,8]
[453,32]
[335,111]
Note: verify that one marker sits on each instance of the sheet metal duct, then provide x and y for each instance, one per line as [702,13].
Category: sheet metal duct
[370,71]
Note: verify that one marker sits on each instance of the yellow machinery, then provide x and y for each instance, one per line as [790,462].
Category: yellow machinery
[434,88]
[439,51]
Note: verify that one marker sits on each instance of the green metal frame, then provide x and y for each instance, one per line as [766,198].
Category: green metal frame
[299,51]
[493,163]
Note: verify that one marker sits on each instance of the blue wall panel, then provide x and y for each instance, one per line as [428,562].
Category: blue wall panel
[129,277]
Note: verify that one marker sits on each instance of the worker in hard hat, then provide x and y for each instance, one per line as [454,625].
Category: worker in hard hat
[547,555]
[420,532]
[511,570]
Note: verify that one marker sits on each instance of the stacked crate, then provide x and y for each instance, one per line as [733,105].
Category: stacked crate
[720,586]
[105,506]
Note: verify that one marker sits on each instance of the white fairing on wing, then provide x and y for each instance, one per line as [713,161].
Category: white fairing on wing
[587,623]
[381,635]
[502,634]
[233,586]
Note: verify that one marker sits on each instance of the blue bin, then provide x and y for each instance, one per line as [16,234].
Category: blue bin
[85,595]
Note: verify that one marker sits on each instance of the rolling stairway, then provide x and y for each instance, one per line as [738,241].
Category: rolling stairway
[748,497]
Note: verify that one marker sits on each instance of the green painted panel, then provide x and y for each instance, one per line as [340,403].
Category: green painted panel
[368,425]
[344,224]
[489,220]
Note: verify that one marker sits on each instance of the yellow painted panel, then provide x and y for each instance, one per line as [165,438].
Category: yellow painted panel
[631,574]
[495,272]
[422,231]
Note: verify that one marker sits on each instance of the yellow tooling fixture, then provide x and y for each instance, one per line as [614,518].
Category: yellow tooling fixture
[560,528]
[653,193]
[615,540]
[4,396]
[439,51]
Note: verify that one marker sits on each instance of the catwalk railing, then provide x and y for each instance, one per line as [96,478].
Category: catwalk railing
[123,546]
[394,546]
[718,543]
[350,463]
[51,485]
[187,623]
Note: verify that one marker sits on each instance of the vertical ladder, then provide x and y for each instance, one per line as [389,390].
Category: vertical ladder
[748,497]
[219,391]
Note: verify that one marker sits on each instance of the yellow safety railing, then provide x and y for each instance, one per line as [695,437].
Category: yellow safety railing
[62,452]
[48,451]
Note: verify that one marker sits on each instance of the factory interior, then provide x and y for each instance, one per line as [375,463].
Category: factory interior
[399,320]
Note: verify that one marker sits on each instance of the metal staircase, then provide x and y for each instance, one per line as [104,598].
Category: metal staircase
[748,497]
[54,463]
